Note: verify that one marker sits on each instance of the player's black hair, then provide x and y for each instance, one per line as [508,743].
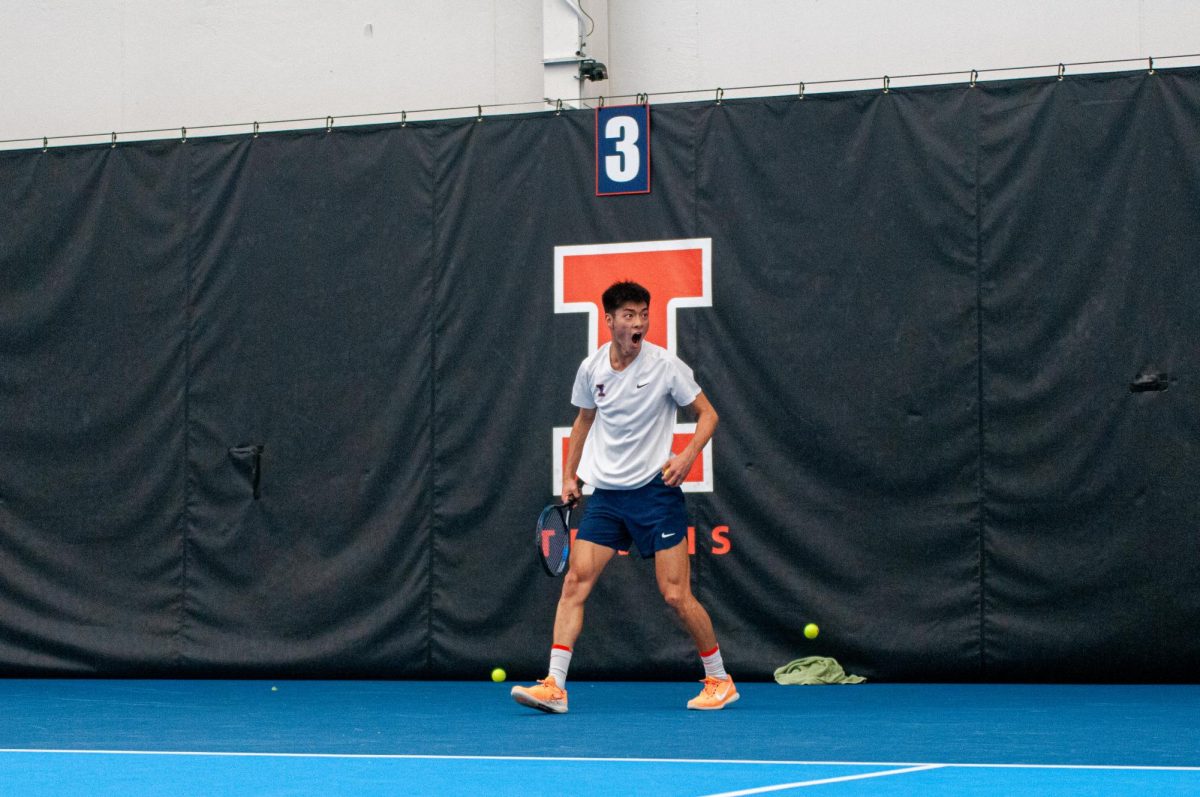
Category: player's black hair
[621,292]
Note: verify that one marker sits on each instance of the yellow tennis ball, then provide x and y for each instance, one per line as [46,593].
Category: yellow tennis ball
[499,674]
[811,630]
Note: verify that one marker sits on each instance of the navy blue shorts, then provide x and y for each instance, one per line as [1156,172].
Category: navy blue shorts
[653,517]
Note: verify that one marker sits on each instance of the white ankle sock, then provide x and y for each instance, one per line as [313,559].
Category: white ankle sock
[713,666]
[560,660]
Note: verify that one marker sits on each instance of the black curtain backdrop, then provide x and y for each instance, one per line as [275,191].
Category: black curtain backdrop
[283,405]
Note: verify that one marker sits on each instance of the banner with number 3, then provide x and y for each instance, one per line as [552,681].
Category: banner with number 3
[623,150]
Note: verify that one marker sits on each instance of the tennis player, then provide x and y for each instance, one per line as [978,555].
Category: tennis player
[627,393]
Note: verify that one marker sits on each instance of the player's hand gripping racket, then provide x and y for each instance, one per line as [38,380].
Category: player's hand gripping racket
[554,538]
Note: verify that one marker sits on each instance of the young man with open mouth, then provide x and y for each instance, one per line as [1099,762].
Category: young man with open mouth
[627,393]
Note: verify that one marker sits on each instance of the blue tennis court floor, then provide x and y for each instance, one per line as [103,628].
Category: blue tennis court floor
[105,737]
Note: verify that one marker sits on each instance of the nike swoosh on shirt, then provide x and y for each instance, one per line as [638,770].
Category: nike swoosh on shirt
[642,385]
[667,536]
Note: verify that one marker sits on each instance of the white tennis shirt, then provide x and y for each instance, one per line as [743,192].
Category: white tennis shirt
[631,437]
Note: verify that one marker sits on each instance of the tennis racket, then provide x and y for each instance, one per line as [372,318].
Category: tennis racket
[554,538]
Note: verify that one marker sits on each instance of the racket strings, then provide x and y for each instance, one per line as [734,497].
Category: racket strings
[554,538]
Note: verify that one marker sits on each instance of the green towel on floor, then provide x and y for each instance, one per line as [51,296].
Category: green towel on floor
[815,670]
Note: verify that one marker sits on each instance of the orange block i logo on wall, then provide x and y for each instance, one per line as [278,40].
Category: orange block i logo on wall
[678,274]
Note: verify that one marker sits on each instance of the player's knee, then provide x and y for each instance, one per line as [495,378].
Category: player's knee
[576,585]
[677,596]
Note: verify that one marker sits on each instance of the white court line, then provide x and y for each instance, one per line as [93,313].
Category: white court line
[719,761]
[802,783]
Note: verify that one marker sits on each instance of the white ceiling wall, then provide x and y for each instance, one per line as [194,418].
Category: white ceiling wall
[72,66]
[672,45]
[78,66]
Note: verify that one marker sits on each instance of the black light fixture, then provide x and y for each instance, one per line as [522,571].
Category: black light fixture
[591,69]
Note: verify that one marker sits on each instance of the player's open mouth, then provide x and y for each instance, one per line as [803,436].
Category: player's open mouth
[637,337]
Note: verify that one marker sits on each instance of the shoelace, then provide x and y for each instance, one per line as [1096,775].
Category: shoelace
[710,686]
[557,692]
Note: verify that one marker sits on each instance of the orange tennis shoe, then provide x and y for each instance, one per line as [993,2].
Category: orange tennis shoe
[546,696]
[715,694]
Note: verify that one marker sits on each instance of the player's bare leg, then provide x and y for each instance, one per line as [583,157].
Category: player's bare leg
[674,571]
[673,568]
[588,561]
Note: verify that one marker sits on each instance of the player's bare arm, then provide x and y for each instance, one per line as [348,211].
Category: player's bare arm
[678,466]
[572,488]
